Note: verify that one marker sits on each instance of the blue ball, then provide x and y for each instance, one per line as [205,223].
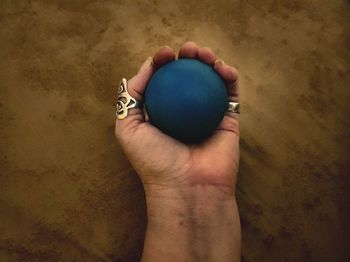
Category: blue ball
[186,99]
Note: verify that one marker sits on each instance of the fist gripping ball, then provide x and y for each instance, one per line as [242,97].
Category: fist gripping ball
[186,99]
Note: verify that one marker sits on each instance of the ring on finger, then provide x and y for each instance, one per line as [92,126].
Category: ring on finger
[125,101]
[233,107]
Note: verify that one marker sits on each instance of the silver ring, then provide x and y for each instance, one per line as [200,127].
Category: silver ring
[233,107]
[125,101]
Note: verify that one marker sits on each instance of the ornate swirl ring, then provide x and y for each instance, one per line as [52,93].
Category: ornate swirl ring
[125,100]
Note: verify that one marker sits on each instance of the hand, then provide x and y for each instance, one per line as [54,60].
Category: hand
[190,189]
[165,163]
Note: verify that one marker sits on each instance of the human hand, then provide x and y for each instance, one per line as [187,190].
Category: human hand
[165,163]
[190,189]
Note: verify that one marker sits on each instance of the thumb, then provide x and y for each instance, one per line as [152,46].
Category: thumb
[136,87]
[137,84]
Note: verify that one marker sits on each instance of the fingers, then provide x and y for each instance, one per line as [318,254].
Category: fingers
[136,87]
[137,84]
[230,123]
[207,55]
[191,50]
[163,56]
[230,75]
[188,50]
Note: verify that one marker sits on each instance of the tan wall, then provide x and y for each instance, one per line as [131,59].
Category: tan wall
[68,193]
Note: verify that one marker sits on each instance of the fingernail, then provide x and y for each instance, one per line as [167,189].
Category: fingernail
[219,62]
[149,61]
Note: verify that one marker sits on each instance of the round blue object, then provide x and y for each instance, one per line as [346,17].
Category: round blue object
[186,99]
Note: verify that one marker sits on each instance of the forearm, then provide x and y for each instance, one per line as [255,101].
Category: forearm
[198,223]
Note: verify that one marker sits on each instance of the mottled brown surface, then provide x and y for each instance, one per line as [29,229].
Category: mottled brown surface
[68,193]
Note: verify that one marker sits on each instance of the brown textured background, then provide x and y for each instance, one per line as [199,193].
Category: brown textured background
[67,193]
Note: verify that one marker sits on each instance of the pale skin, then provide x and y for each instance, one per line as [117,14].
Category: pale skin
[190,189]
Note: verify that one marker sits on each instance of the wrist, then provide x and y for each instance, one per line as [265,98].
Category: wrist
[190,184]
[197,222]
[195,201]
